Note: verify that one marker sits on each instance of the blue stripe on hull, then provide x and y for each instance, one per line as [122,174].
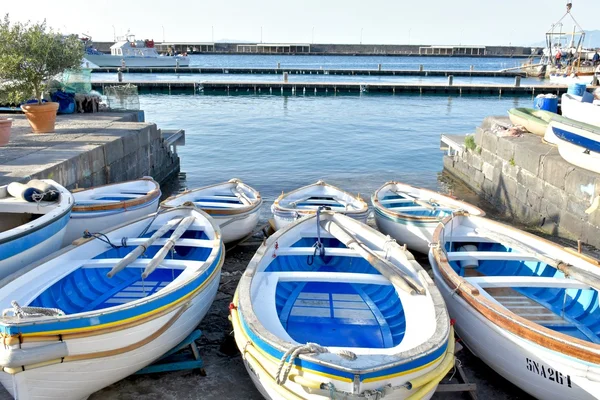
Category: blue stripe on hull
[118,315]
[579,140]
[32,239]
[270,350]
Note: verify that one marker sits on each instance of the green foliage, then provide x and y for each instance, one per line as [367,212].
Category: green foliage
[30,55]
[512,162]
[470,143]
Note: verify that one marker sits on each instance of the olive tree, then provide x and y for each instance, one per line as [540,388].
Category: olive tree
[31,54]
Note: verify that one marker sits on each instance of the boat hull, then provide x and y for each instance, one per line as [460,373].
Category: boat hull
[271,394]
[578,156]
[542,373]
[100,221]
[33,246]
[415,234]
[237,227]
[573,108]
[78,379]
[106,60]
[535,121]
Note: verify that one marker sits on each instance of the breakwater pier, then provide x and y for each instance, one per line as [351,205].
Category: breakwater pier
[265,87]
[528,181]
[310,71]
[89,150]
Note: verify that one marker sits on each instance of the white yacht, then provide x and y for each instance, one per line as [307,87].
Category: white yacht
[128,52]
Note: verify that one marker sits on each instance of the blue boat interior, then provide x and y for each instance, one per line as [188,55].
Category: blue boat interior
[110,198]
[396,203]
[87,288]
[217,201]
[337,313]
[314,202]
[571,311]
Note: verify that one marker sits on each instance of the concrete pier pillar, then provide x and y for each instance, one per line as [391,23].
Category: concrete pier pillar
[517,81]
[119,75]
[285,76]
[450,80]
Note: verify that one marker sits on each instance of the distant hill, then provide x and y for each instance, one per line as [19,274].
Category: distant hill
[592,39]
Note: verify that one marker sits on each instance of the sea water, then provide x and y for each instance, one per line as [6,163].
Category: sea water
[277,143]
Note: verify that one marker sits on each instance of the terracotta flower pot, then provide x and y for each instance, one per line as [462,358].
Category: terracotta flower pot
[42,117]
[5,124]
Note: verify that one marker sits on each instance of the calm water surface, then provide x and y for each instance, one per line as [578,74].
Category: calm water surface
[277,143]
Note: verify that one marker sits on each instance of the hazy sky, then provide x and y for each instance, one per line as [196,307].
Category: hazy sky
[498,22]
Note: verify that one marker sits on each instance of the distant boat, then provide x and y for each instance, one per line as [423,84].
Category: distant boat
[525,306]
[329,308]
[304,201]
[128,52]
[234,206]
[33,222]
[535,121]
[99,208]
[574,107]
[410,214]
[97,312]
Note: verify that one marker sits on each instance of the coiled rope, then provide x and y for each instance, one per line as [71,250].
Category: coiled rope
[293,353]
[24,312]
[308,348]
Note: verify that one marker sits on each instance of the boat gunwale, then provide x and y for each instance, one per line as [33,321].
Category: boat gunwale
[125,204]
[216,255]
[376,203]
[65,203]
[245,306]
[276,207]
[221,212]
[502,317]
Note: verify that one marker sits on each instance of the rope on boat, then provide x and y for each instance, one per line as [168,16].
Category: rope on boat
[24,312]
[293,353]
[308,348]
[318,245]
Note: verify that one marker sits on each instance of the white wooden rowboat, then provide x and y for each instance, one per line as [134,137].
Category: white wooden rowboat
[304,201]
[93,313]
[234,205]
[99,208]
[31,230]
[330,308]
[526,306]
[410,214]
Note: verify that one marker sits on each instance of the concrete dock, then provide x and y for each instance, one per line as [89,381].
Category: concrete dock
[299,88]
[528,181]
[310,71]
[88,150]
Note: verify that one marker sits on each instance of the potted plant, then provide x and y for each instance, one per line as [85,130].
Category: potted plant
[30,55]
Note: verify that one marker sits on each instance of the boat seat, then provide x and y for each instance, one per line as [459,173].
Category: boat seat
[139,263]
[115,196]
[179,242]
[525,281]
[329,251]
[213,204]
[217,197]
[398,200]
[489,255]
[346,277]
[421,208]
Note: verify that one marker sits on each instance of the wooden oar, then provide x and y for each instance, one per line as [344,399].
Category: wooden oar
[138,251]
[241,195]
[385,268]
[162,253]
[568,269]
